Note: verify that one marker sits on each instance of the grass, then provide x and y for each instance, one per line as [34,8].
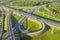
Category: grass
[25,9]
[5,21]
[47,34]
[5,9]
[44,15]
[4,34]
[5,17]
[32,25]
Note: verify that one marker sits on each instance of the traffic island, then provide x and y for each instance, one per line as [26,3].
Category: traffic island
[32,26]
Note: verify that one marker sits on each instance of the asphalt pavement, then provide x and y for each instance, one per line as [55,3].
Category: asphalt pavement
[10,29]
[1,23]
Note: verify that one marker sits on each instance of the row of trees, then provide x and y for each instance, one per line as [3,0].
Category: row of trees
[52,9]
[55,9]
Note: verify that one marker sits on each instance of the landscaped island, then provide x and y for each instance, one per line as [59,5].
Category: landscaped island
[32,25]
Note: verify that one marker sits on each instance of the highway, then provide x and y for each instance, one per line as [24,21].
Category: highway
[10,29]
[1,23]
[20,22]
[30,15]
[18,25]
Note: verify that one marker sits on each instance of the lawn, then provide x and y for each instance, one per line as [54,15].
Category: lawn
[49,11]
[32,25]
[6,11]
[45,16]
[5,21]
[50,33]
[25,9]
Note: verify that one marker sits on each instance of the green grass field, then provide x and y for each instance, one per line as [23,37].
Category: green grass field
[45,16]
[5,20]
[32,25]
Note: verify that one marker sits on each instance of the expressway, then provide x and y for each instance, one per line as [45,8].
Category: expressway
[32,16]
[1,23]
[10,29]
[18,25]
[10,34]
[20,22]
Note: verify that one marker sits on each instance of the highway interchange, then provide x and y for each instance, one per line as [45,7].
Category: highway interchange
[20,22]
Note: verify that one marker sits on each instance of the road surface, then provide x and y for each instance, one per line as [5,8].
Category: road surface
[10,29]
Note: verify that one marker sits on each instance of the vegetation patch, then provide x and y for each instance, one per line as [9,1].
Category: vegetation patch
[50,33]
[45,16]
[23,9]
[15,17]
[32,25]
